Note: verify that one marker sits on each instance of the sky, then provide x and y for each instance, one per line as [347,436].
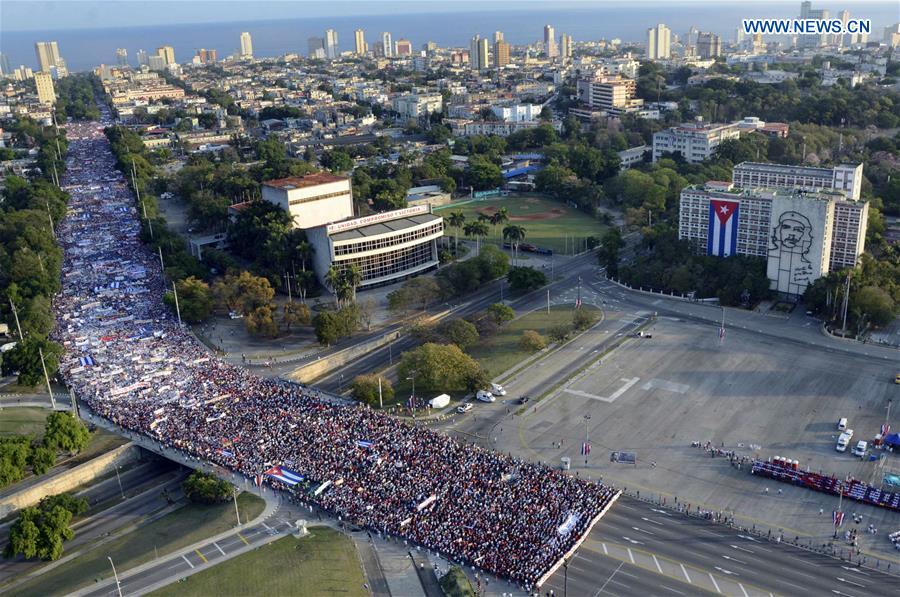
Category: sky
[22,15]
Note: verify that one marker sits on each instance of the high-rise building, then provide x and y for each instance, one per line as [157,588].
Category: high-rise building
[484,49]
[613,93]
[207,56]
[142,58]
[246,45]
[4,64]
[659,40]
[807,12]
[498,36]
[388,44]
[47,55]
[44,84]
[430,47]
[474,64]
[331,44]
[121,56]
[360,42]
[709,45]
[156,62]
[316,47]
[501,53]
[404,47]
[167,53]
[550,48]
[695,141]
[565,46]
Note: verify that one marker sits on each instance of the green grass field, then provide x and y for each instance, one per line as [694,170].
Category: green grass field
[324,563]
[23,421]
[173,531]
[502,352]
[548,223]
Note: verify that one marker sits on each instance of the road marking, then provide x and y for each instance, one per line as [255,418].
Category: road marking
[643,531]
[850,582]
[725,571]
[242,539]
[686,577]
[219,548]
[715,584]
[669,386]
[632,541]
[267,526]
[660,512]
[836,592]
[187,560]
[652,521]
[856,570]
[628,384]
[729,558]
[630,555]
[741,549]
[658,567]
[202,557]
[605,551]
[743,590]
[671,589]
[609,579]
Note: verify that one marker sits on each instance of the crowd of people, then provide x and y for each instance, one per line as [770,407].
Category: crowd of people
[129,360]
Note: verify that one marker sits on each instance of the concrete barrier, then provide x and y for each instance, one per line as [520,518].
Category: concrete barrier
[70,479]
[311,371]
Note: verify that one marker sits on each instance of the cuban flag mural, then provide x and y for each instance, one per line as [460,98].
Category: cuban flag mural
[721,239]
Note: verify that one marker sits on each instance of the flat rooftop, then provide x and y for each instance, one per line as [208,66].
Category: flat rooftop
[300,182]
[384,227]
[807,170]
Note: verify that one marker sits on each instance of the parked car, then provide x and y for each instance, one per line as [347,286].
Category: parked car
[844,441]
[523,399]
[464,407]
[484,396]
[860,449]
[498,390]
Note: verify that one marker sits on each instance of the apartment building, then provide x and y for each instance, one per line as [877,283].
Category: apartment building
[696,141]
[844,177]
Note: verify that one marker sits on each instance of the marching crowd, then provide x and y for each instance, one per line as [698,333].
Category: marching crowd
[129,360]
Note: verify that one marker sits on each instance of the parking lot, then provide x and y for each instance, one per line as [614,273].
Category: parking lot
[749,394]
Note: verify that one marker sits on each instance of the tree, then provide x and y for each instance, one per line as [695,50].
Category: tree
[42,459]
[15,453]
[63,431]
[501,313]
[459,332]
[608,255]
[582,319]
[41,530]
[501,216]
[365,389]
[456,219]
[559,333]
[876,304]
[441,367]
[524,279]
[194,299]
[336,160]
[514,234]
[203,488]
[532,341]
[25,359]
[483,174]
[243,293]
[261,322]
[330,325]
[478,230]
[295,314]
[416,292]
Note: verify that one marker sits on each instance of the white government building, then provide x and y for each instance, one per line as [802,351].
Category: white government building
[819,206]
[386,247]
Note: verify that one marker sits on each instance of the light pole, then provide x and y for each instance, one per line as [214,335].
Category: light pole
[115,575]
[587,444]
[236,512]
[119,479]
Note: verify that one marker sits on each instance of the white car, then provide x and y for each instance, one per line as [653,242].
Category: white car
[860,449]
[484,396]
[464,408]
[844,441]
[498,390]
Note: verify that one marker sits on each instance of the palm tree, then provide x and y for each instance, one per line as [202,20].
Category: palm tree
[501,216]
[479,230]
[457,219]
[333,279]
[304,251]
[515,234]
[351,278]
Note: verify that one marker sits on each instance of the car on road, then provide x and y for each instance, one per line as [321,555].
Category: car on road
[860,449]
[897,378]
[842,424]
[484,396]
[464,407]
[844,441]
[523,399]
[498,390]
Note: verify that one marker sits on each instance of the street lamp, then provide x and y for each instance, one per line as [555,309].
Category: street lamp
[119,479]
[115,575]
[587,418]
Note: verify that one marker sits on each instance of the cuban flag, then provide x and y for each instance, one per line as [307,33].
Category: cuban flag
[284,475]
[721,238]
[585,448]
[885,429]
[837,518]
[87,361]
[364,444]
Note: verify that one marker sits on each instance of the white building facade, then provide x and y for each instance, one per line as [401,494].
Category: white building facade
[696,142]
[845,177]
[311,200]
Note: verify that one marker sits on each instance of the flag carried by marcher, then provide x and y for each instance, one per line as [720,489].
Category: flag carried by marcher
[837,518]
[585,448]
[284,475]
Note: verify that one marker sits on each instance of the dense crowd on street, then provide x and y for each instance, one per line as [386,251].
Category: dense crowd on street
[130,361]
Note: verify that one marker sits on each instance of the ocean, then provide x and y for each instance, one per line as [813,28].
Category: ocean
[83,49]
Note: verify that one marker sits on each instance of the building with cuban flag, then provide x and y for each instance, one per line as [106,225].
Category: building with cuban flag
[802,233]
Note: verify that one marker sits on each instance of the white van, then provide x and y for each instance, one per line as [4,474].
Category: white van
[844,441]
[498,390]
[842,424]
[484,396]
[860,449]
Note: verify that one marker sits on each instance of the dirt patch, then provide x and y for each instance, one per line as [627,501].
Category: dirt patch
[554,213]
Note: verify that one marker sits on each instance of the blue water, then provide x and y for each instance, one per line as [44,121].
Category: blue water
[84,49]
